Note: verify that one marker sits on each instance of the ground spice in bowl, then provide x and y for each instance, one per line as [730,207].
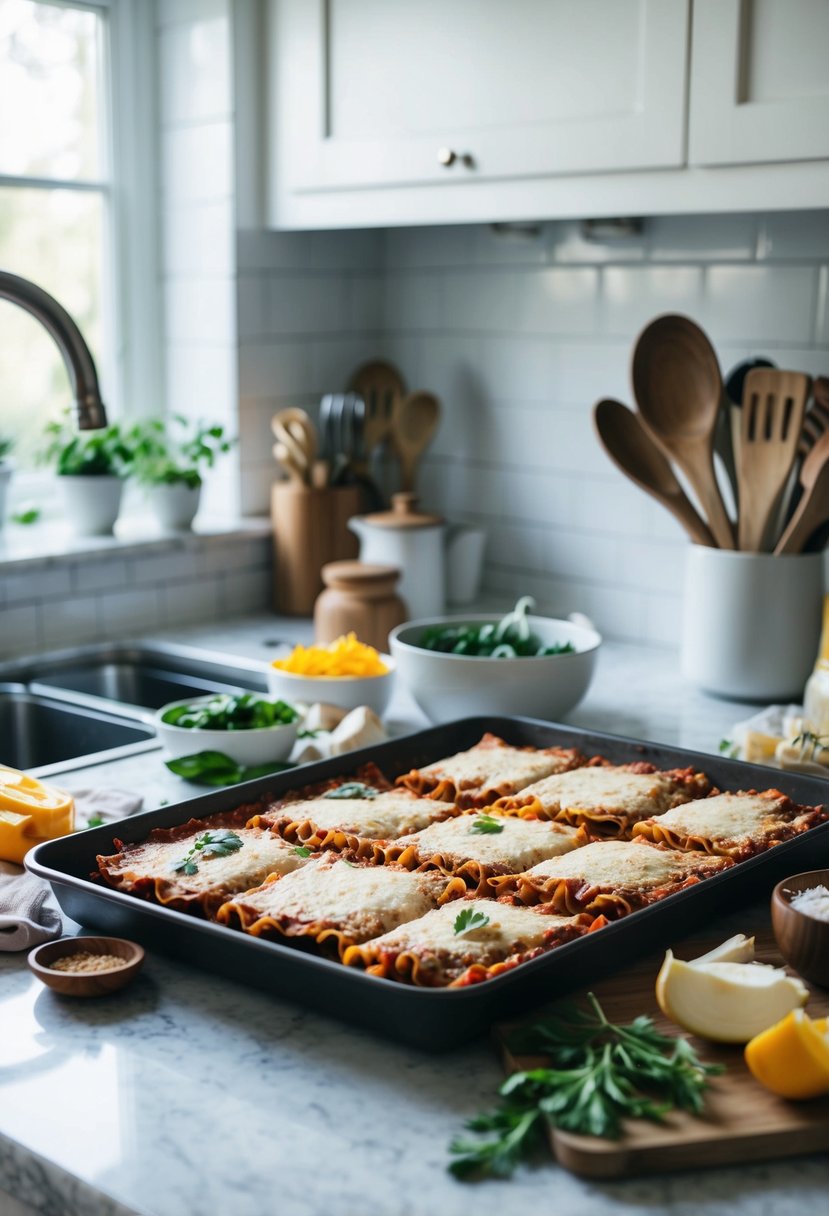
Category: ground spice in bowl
[84,960]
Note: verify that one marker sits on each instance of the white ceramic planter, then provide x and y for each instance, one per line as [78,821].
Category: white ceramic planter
[175,506]
[5,478]
[91,504]
[751,622]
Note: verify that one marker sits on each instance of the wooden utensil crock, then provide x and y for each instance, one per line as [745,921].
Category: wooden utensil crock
[309,530]
[358,597]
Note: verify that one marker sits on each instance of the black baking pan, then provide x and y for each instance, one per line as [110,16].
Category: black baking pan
[433,1019]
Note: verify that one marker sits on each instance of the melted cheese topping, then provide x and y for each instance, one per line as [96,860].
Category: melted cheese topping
[505,768]
[521,843]
[608,789]
[363,901]
[731,818]
[618,864]
[385,817]
[511,930]
[262,853]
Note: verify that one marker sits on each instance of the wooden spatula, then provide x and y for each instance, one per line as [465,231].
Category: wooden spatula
[813,508]
[774,403]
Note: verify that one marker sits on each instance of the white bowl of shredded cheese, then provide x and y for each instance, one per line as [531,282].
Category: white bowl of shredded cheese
[345,673]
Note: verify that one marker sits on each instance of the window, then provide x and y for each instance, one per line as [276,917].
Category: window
[77,201]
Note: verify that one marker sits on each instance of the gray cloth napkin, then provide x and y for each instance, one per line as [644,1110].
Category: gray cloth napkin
[29,912]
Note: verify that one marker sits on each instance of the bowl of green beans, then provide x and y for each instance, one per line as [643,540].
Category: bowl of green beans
[462,666]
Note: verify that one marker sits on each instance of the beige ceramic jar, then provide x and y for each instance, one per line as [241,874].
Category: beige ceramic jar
[358,597]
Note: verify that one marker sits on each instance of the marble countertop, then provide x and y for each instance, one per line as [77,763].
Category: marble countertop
[190,1096]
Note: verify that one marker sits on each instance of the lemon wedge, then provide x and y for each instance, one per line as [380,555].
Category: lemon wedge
[727,1002]
[791,1058]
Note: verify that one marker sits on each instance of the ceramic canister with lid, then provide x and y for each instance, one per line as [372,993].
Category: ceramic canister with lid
[412,541]
[359,598]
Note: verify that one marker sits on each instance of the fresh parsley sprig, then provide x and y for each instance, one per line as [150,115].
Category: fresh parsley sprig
[469,919]
[210,844]
[486,824]
[600,1073]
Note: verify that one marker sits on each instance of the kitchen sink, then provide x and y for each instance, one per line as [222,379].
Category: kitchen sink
[137,679]
[73,708]
[42,735]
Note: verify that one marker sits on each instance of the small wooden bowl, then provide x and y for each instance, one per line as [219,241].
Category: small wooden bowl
[41,960]
[803,940]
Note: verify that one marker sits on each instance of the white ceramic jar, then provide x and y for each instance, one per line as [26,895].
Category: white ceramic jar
[414,543]
[751,622]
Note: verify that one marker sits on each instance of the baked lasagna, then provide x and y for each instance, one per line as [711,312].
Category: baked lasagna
[732,825]
[337,903]
[490,770]
[606,799]
[195,867]
[608,877]
[338,823]
[465,942]
[476,846]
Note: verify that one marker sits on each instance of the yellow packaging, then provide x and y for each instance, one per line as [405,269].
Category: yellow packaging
[30,812]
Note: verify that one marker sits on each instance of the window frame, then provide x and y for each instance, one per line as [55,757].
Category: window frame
[130,365]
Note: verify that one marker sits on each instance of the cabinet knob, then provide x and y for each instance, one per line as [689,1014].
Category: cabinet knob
[447,157]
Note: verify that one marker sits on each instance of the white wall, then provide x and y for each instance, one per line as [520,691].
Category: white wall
[519,337]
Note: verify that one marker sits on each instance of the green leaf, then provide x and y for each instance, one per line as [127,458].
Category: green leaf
[29,515]
[302,851]
[210,844]
[216,769]
[352,789]
[486,824]
[94,821]
[468,919]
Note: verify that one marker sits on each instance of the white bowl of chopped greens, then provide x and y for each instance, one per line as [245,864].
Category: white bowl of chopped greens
[463,666]
[250,728]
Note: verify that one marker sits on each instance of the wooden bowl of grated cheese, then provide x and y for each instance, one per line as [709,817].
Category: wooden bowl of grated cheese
[800,918]
[86,966]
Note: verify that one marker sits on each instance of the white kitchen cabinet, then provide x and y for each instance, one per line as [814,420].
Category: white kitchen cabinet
[759,81]
[393,112]
[384,92]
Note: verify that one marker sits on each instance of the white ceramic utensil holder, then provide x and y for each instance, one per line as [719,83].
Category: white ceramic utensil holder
[751,622]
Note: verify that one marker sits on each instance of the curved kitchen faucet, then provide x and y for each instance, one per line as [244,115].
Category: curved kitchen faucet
[89,408]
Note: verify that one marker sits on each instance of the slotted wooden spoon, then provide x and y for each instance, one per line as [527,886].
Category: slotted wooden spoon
[678,388]
[771,422]
[632,450]
[813,508]
[381,386]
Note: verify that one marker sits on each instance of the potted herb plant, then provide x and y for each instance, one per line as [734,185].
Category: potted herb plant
[169,455]
[91,466]
[6,467]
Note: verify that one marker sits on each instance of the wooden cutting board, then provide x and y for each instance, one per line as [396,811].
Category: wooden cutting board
[742,1122]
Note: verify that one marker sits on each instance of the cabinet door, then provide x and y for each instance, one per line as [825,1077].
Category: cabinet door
[383,92]
[759,82]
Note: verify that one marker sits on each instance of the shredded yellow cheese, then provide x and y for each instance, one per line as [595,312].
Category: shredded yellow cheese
[345,656]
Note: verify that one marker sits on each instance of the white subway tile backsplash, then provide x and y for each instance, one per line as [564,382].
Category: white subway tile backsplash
[131,611]
[201,380]
[184,603]
[634,295]
[519,335]
[69,622]
[198,239]
[794,236]
[27,586]
[197,163]
[20,632]
[760,303]
[200,310]
[701,238]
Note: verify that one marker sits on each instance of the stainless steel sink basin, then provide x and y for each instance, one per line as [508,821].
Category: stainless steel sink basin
[43,736]
[136,679]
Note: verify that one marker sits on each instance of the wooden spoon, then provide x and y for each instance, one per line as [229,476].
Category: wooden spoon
[632,450]
[771,421]
[678,388]
[380,385]
[813,508]
[414,422]
[817,419]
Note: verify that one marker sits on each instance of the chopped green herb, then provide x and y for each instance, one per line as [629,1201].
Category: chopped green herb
[600,1073]
[302,851]
[352,789]
[94,821]
[484,823]
[727,747]
[510,638]
[29,515]
[469,919]
[210,844]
